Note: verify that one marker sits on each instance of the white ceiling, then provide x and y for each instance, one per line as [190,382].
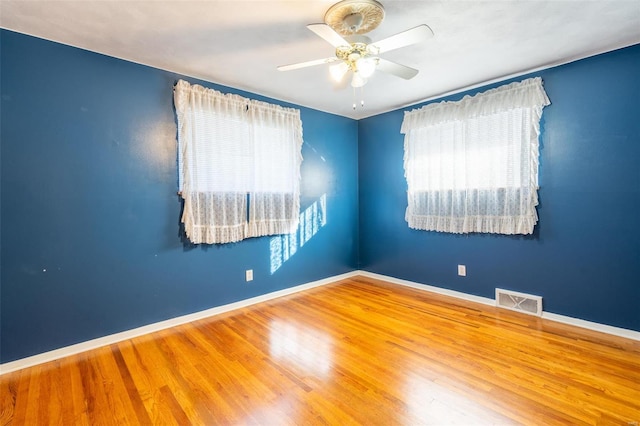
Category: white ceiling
[240,43]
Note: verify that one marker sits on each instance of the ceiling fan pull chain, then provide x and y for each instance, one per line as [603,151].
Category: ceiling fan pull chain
[353,96]
[355,105]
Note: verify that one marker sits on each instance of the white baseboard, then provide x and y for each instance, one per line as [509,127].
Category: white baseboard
[162,325]
[426,287]
[595,326]
[603,328]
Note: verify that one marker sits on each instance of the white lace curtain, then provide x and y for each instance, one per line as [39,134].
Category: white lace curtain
[472,165]
[239,165]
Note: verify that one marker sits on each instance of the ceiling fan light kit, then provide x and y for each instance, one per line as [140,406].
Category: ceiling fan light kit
[345,24]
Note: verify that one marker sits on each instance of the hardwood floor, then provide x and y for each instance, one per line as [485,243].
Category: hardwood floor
[356,352]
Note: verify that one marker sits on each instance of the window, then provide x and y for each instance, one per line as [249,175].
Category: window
[472,165]
[239,165]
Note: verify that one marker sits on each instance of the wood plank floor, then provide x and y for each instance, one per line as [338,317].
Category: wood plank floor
[356,352]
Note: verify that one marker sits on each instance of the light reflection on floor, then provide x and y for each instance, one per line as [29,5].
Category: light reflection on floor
[283,247]
[302,346]
[430,403]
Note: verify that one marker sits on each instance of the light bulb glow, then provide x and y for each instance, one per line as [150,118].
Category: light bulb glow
[338,71]
[358,80]
[366,66]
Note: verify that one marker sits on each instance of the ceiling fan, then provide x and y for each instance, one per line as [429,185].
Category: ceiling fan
[345,24]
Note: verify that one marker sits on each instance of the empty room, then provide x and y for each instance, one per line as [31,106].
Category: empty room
[320,213]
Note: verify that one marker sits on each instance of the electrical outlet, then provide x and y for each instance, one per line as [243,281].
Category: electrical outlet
[249,274]
[462,270]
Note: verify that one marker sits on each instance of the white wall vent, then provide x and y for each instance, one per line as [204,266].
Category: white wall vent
[520,302]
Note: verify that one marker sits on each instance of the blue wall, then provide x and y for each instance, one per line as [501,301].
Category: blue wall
[89,212]
[584,257]
[89,216]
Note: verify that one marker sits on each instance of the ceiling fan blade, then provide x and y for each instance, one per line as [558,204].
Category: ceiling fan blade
[405,38]
[307,64]
[327,33]
[396,69]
